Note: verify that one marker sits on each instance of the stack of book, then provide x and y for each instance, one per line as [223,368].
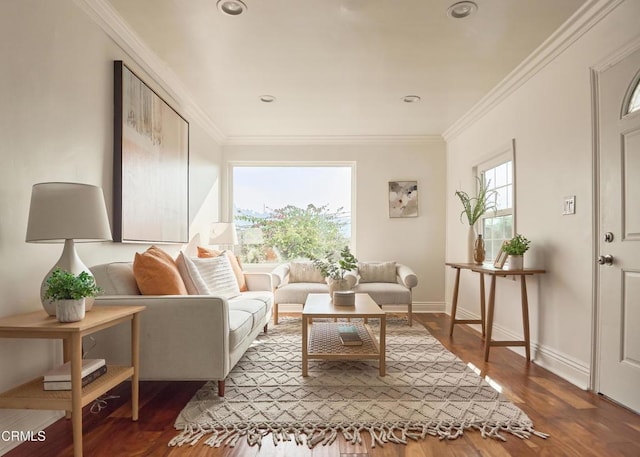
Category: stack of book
[60,378]
[349,335]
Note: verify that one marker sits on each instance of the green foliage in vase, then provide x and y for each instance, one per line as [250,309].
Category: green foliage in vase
[63,285]
[476,206]
[333,268]
[517,245]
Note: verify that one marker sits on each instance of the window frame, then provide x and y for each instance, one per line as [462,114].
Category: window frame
[229,200]
[501,156]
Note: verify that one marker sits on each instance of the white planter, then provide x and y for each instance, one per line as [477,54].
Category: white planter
[337,284]
[471,242]
[515,262]
[70,310]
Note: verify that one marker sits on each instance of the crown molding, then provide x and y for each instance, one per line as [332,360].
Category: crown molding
[103,14]
[275,140]
[592,12]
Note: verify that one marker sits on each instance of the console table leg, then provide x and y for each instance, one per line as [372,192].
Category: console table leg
[454,304]
[482,306]
[135,361]
[525,316]
[492,302]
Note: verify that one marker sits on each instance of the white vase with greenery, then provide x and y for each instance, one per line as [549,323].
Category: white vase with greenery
[66,294]
[334,269]
[474,207]
[515,249]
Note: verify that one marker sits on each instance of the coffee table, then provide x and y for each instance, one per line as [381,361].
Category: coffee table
[320,340]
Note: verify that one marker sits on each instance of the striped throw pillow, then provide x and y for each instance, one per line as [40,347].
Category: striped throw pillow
[214,276]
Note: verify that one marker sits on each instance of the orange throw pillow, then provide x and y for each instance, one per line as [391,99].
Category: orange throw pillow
[156,273]
[233,260]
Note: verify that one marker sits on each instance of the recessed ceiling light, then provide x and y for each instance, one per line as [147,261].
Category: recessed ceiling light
[267,98]
[232,7]
[461,10]
[411,98]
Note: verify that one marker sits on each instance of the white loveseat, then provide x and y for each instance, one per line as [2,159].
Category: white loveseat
[391,288]
[182,337]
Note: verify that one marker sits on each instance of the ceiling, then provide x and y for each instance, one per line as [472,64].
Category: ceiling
[340,67]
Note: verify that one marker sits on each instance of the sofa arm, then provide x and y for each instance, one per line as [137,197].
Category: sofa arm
[280,274]
[407,276]
[259,281]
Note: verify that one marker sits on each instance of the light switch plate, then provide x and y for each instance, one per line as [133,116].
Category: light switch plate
[569,206]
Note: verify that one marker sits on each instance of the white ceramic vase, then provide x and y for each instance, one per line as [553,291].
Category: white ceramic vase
[471,242]
[70,310]
[515,262]
[337,284]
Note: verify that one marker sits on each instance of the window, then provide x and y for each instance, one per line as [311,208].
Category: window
[498,226]
[294,211]
[634,101]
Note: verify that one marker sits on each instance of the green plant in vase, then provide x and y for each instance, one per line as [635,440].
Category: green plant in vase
[473,207]
[69,292]
[334,269]
[515,249]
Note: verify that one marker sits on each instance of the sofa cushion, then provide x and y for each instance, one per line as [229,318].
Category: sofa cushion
[304,272]
[385,293]
[377,271]
[297,292]
[233,261]
[240,325]
[156,273]
[217,275]
[191,276]
[257,308]
[116,278]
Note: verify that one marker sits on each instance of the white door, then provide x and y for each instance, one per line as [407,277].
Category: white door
[618,354]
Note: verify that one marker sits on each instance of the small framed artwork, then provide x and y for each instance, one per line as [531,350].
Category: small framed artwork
[501,258]
[403,198]
[151,164]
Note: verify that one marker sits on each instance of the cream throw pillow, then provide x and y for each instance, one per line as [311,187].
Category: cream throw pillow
[210,276]
[377,271]
[304,272]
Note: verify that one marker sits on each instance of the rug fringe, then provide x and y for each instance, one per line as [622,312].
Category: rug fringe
[380,433]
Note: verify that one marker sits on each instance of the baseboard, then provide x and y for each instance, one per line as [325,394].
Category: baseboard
[563,365]
[27,424]
[418,307]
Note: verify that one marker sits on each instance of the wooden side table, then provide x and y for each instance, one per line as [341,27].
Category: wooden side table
[38,324]
[487,327]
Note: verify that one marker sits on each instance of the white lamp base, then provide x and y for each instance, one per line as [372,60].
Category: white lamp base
[68,261]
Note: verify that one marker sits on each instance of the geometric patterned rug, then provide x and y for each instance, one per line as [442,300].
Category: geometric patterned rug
[427,391]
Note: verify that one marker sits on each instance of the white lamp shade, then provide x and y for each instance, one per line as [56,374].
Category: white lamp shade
[223,233]
[61,211]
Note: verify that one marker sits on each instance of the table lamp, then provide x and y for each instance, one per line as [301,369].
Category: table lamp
[64,212]
[223,234]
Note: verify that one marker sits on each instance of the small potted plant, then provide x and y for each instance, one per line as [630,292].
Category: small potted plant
[515,249]
[334,269]
[69,292]
[473,208]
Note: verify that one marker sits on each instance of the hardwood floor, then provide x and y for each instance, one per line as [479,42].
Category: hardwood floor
[580,423]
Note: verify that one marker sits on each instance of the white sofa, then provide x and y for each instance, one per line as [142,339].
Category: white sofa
[398,292]
[182,337]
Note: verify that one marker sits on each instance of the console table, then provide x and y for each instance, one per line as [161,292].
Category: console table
[39,324]
[487,326]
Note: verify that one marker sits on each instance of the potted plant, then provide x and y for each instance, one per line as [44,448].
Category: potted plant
[334,269]
[515,249]
[68,292]
[474,207]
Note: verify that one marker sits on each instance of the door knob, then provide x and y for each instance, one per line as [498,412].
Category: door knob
[605,260]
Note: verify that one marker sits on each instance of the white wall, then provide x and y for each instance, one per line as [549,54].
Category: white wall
[550,118]
[417,242]
[56,124]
